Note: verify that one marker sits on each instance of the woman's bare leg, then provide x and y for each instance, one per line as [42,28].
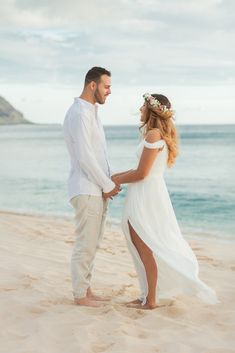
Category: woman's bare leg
[150,265]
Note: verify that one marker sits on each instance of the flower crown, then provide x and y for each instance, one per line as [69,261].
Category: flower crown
[155,103]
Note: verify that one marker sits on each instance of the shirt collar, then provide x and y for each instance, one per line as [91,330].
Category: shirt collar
[92,107]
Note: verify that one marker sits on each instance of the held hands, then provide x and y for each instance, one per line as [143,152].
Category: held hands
[114,192]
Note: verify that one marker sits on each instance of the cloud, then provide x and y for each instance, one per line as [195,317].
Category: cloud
[142,42]
[104,12]
[182,48]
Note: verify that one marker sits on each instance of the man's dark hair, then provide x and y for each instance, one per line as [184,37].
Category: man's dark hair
[95,73]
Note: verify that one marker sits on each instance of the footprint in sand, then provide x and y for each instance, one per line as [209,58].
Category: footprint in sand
[100,348]
[108,250]
[143,335]
[8,289]
[59,301]
[131,313]
[204,258]
[27,281]
[69,241]
[210,260]
[217,264]
[36,310]
[123,289]
[196,248]
[176,309]
[38,232]
[33,278]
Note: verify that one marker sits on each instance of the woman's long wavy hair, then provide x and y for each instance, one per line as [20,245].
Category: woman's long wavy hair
[156,118]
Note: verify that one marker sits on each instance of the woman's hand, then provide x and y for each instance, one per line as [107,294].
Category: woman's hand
[114,192]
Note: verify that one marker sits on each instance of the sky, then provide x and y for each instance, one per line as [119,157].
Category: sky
[183,49]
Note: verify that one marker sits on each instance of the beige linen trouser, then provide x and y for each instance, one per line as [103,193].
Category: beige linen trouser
[90,214]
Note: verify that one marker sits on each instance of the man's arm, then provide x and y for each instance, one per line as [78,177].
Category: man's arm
[80,130]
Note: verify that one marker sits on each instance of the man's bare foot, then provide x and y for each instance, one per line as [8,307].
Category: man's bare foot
[87,302]
[95,297]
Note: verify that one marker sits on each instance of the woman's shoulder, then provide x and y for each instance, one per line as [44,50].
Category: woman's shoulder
[153,135]
[153,139]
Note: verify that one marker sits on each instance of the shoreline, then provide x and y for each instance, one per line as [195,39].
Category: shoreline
[116,224]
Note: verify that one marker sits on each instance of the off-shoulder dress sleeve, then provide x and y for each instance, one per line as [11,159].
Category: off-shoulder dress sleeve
[157,144]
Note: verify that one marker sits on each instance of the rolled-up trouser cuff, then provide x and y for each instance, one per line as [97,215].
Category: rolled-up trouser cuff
[80,294]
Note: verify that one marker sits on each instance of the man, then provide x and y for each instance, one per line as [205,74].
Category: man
[90,185]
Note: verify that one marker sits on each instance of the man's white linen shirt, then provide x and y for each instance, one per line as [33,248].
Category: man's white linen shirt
[84,136]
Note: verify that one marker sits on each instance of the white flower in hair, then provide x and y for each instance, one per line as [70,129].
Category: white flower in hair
[154,102]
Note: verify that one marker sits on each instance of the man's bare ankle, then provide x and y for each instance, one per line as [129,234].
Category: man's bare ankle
[91,295]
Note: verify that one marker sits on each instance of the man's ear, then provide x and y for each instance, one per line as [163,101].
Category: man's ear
[93,85]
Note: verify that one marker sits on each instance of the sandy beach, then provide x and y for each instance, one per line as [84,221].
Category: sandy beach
[38,314]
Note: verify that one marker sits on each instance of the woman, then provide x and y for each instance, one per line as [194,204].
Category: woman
[163,259]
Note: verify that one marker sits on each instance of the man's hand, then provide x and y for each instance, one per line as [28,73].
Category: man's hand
[115,191]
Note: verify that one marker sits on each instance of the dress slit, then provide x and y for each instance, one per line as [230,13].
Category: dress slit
[138,263]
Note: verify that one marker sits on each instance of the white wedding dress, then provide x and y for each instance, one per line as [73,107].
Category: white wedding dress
[149,210]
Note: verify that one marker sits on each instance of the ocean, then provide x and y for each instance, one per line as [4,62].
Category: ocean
[34,167]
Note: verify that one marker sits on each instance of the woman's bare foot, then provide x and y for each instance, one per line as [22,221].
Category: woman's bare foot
[87,302]
[146,306]
[136,301]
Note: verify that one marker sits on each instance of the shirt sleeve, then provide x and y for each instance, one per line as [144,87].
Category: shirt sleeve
[81,129]
[111,171]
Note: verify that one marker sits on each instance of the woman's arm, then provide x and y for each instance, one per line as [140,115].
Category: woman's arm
[146,161]
[118,174]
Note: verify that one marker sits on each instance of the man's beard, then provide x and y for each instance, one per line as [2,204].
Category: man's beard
[97,97]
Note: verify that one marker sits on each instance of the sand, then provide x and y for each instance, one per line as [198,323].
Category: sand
[38,314]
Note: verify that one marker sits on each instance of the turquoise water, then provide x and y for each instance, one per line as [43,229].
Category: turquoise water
[34,167]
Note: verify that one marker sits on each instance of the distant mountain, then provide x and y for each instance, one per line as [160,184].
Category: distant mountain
[9,115]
